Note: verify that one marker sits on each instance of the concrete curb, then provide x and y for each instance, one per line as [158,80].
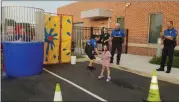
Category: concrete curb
[147,74]
[141,73]
[82,60]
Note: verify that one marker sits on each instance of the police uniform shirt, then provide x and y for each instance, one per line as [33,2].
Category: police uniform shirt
[92,42]
[118,33]
[117,36]
[172,33]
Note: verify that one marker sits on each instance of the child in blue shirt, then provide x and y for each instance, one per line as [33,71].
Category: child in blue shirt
[91,47]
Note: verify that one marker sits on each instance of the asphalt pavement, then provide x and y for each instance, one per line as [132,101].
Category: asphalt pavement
[124,86]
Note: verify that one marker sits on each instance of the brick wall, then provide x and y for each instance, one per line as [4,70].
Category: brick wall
[136,18]
[142,51]
[76,8]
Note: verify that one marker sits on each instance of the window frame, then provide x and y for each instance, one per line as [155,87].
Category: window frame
[119,18]
[149,19]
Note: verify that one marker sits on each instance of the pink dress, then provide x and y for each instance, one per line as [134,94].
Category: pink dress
[106,58]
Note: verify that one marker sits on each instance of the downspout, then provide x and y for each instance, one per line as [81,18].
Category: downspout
[109,22]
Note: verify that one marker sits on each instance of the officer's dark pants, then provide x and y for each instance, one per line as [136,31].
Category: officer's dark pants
[116,44]
[167,51]
[89,51]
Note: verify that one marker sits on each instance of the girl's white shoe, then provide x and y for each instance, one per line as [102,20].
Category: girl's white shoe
[101,76]
[108,79]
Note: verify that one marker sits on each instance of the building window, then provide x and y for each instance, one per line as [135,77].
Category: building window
[155,27]
[120,20]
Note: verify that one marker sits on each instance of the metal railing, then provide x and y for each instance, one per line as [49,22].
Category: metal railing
[80,36]
[22,24]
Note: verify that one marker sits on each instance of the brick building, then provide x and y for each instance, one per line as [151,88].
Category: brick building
[144,20]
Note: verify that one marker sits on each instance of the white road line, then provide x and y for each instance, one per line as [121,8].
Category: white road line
[77,86]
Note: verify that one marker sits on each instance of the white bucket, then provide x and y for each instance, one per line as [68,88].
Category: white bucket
[73,59]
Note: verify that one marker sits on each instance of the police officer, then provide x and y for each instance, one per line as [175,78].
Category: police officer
[169,43]
[90,49]
[117,40]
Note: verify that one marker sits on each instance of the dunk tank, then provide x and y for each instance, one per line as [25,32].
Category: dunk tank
[23,40]
[32,37]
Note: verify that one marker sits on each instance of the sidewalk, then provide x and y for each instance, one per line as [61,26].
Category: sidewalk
[140,65]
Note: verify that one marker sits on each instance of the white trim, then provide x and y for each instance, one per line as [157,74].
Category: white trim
[77,86]
[58,96]
[154,79]
[154,87]
[147,45]
[143,45]
[96,13]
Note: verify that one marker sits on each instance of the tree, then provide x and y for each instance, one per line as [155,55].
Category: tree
[1,27]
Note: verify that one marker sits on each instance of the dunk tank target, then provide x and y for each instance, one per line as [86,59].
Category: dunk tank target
[23,40]
[58,37]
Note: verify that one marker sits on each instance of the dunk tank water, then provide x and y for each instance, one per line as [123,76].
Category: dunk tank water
[23,58]
[23,40]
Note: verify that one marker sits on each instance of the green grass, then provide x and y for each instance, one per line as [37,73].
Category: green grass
[157,60]
[80,56]
[176,53]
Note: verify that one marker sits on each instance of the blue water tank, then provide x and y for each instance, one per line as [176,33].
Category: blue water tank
[23,58]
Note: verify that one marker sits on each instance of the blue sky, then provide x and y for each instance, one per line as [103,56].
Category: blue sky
[48,6]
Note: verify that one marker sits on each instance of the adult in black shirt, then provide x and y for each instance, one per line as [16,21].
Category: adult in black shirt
[105,37]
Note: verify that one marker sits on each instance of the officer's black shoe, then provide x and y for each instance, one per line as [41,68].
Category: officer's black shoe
[160,69]
[117,63]
[92,68]
[88,67]
[168,71]
[111,61]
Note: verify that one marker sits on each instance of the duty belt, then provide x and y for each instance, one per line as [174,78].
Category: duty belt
[117,36]
[88,43]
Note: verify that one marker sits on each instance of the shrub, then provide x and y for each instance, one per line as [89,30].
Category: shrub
[157,60]
[176,53]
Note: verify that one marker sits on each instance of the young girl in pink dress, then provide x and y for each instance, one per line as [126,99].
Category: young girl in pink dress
[106,55]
